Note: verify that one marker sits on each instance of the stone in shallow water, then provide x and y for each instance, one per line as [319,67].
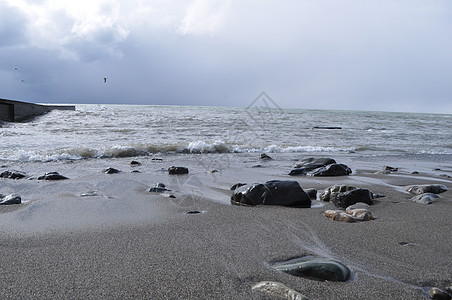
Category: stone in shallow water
[111,171]
[330,170]
[315,268]
[278,289]
[436,293]
[12,175]
[177,170]
[426,198]
[52,176]
[10,199]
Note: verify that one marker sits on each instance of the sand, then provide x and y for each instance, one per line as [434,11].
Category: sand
[122,242]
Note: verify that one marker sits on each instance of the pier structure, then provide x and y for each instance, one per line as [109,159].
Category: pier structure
[17,111]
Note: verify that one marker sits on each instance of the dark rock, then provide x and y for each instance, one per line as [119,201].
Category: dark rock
[135,171]
[436,293]
[415,172]
[237,185]
[135,163]
[312,193]
[192,212]
[10,199]
[111,171]
[159,188]
[177,170]
[326,127]
[426,188]
[156,159]
[351,197]
[311,163]
[265,156]
[12,174]
[257,166]
[315,268]
[331,170]
[275,192]
[52,176]
[391,169]
[426,198]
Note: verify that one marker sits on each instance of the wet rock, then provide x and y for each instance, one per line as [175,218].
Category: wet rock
[275,192]
[265,157]
[158,188]
[344,195]
[331,170]
[52,176]
[426,198]
[390,169]
[10,199]
[415,172]
[135,171]
[12,174]
[315,268]
[426,188]
[436,293]
[312,193]
[111,171]
[177,170]
[135,163]
[309,164]
[278,289]
[194,212]
[378,195]
[236,186]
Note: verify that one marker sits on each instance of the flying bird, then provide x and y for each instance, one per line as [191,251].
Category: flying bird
[16,68]
[105,79]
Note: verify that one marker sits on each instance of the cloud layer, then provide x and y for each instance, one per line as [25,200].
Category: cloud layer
[351,54]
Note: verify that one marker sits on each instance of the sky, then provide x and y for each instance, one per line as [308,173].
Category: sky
[385,55]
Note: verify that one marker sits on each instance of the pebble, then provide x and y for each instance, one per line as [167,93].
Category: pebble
[278,289]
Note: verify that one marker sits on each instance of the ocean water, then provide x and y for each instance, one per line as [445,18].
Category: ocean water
[110,131]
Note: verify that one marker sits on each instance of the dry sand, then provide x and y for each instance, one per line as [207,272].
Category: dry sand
[127,243]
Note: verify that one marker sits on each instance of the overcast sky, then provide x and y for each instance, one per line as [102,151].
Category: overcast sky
[391,55]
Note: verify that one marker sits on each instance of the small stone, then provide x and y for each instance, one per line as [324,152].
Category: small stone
[391,169]
[278,289]
[237,185]
[12,175]
[436,293]
[159,188]
[136,171]
[415,172]
[10,199]
[111,171]
[265,156]
[177,170]
[426,198]
[192,212]
[339,215]
[330,170]
[52,176]
[135,163]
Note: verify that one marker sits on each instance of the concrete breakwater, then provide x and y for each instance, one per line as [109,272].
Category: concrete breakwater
[16,111]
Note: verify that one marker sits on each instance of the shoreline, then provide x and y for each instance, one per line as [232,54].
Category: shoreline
[126,242]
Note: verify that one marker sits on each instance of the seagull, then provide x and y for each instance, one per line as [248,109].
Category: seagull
[22,80]
[16,68]
[105,79]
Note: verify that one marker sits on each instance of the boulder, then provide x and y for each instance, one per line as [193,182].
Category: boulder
[52,176]
[159,188]
[275,192]
[332,191]
[10,199]
[265,157]
[12,175]
[309,164]
[134,163]
[426,188]
[177,170]
[351,197]
[312,193]
[331,170]
[426,198]
[350,215]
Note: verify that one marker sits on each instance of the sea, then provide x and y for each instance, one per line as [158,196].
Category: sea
[95,131]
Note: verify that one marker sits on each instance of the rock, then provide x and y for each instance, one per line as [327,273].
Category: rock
[177,170]
[278,289]
[52,176]
[358,205]
[326,127]
[339,215]
[331,170]
[351,197]
[332,191]
[426,188]
[10,199]
[12,175]
[265,156]
[378,195]
[111,171]
[361,214]
[237,185]
[384,172]
[391,169]
[275,192]
[312,193]
[309,164]
[193,212]
[315,268]
[156,159]
[135,163]
[415,172]
[436,293]
[158,188]
[426,198]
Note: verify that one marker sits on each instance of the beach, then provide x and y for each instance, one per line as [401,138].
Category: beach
[100,235]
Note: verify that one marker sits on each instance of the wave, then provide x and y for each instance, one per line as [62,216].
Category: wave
[195,147]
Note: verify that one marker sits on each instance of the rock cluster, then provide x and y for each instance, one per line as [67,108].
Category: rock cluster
[343,195]
[320,167]
[426,193]
[354,213]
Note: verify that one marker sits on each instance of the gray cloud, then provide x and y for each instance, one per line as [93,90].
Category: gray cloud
[364,55]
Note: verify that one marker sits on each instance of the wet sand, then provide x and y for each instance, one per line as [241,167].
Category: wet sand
[122,242]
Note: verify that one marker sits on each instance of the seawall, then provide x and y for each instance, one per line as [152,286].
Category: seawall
[16,111]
